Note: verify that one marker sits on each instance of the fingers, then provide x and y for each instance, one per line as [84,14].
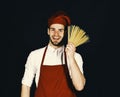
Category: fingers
[70,50]
[71,46]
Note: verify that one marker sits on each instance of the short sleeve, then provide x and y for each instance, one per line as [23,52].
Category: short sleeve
[29,72]
[79,61]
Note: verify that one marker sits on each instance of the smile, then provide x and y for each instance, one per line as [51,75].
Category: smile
[56,38]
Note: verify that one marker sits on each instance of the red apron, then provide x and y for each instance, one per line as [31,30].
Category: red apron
[53,81]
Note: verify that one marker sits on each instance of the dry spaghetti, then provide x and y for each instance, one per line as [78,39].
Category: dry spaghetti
[76,35]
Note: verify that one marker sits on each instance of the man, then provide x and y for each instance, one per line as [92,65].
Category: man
[55,65]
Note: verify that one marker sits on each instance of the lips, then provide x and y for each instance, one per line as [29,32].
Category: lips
[56,38]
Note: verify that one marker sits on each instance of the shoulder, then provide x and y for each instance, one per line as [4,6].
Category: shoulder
[37,52]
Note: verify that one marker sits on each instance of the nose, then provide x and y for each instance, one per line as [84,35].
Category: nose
[56,32]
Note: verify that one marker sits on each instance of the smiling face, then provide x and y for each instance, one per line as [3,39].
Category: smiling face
[56,34]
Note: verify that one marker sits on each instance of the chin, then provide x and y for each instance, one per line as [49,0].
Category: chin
[57,44]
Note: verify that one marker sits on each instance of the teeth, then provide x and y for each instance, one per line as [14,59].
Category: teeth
[56,37]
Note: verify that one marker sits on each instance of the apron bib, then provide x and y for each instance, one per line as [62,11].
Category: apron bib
[53,81]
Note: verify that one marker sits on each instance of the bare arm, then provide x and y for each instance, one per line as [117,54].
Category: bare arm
[78,78]
[25,91]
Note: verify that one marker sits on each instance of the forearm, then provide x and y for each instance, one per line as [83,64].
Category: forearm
[25,91]
[78,78]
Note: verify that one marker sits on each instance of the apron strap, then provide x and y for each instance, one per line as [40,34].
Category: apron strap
[65,57]
[44,55]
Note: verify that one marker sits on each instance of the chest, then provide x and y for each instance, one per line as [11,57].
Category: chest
[53,58]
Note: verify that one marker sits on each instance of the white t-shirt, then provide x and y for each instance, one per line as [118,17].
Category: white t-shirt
[52,57]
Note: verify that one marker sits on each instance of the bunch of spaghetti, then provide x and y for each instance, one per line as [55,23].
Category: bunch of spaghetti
[76,35]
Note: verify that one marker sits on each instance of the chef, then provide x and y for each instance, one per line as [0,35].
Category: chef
[57,67]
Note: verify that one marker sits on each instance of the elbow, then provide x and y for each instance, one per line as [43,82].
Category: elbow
[80,86]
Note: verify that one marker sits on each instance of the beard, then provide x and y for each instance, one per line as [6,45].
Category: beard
[62,42]
[57,43]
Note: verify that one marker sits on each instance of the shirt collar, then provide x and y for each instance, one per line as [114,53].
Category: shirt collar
[58,50]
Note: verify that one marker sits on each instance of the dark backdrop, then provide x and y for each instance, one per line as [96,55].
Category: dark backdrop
[27,30]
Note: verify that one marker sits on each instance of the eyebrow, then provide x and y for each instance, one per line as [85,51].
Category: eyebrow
[58,29]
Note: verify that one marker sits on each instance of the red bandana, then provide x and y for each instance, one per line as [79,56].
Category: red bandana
[59,18]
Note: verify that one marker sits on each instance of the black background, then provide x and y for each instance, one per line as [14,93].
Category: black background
[26,25]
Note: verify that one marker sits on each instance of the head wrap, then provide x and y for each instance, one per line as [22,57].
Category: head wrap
[59,18]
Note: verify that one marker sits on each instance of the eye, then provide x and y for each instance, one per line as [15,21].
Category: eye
[52,29]
[61,30]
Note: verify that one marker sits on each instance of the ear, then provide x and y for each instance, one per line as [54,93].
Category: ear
[48,31]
